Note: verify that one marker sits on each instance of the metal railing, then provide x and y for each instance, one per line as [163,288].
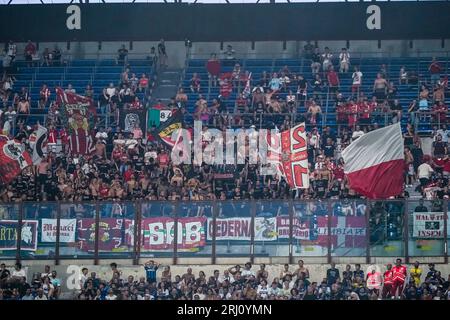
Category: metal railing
[333,228]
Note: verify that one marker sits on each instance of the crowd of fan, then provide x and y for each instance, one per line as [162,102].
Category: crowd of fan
[131,166]
[235,283]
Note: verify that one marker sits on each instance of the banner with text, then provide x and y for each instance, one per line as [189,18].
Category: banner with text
[8,235]
[158,233]
[346,232]
[240,229]
[67,230]
[428,225]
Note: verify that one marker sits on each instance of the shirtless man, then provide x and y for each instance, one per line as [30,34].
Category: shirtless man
[379,87]
[301,268]
[100,149]
[313,110]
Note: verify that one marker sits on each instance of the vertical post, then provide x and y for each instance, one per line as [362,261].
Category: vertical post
[445,231]
[406,230]
[330,215]
[97,232]
[58,232]
[368,206]
[252,232]
[291,230]
[137,214]
[19,232]
[175,235]
[214,231]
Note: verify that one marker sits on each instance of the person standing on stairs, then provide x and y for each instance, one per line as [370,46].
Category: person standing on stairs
[162,54]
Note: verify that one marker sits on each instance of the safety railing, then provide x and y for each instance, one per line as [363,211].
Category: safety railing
[289,229]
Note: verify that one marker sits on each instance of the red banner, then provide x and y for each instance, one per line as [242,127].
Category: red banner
[109,237]
[13,159]
[158,233]
[77,111]
[294,157]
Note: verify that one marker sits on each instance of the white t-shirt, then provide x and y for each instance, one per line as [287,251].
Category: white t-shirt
[425,170]
[111,91]
[357,77]
[247,273]
[344,57]
[20,273]
[113,297]
[102,135]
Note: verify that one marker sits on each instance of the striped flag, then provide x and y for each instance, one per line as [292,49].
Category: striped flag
[374,163]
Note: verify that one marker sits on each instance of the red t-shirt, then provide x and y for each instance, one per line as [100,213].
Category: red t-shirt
[52,136]
[213,67]
[341,110]
[447,165]
[439,162]
[333,78]
[365,110]
[143,82]
[339,172]
[163,159]
[352,113]
[226,89]
[104,191]
[30,49]
[127,175]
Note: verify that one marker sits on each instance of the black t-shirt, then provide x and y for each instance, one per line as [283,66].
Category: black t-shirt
[123,53]
[71,168]
[439,147]
[396,107]
[334,190]
[332,275]
[420,208]
[315,57]
[328,150]
[302,84]
[320,186]
[161,48]
[4,274]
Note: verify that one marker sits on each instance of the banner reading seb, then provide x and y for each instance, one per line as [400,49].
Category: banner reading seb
[158,233]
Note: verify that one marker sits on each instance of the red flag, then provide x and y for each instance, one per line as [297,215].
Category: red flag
[77,110]
[13,159]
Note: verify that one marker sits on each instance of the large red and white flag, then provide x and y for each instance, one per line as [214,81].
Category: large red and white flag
[374,163]
[13,159]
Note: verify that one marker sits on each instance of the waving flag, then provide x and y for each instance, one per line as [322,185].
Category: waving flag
[76,111]
[13,159]
[38,142]
[165,130]
[374,163]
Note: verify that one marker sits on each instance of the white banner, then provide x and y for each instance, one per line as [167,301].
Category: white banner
[67,230]
[240,229]
[265,229]
[428,225]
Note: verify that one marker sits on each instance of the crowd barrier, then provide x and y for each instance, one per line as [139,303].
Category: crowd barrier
[237,229]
